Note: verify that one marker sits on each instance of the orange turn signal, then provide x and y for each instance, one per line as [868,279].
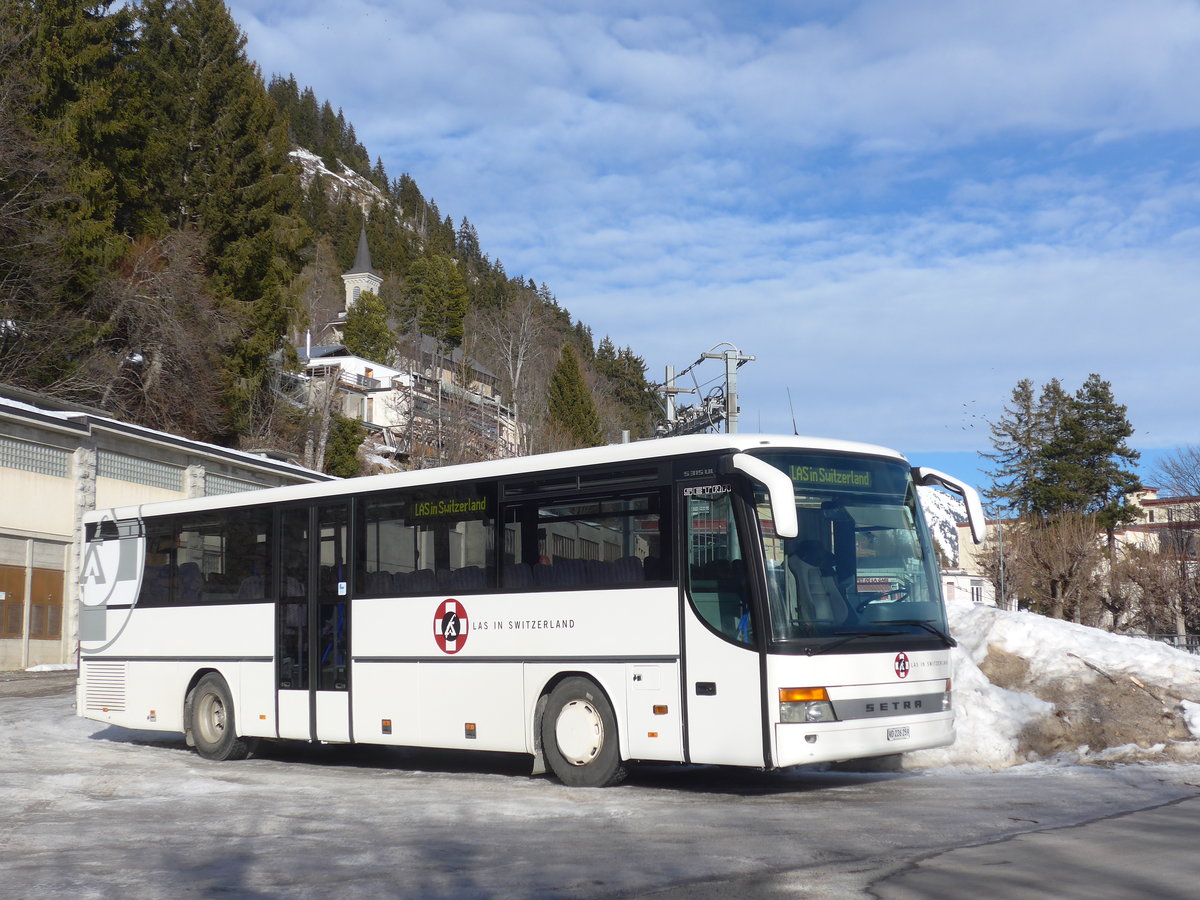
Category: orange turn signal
[802,695]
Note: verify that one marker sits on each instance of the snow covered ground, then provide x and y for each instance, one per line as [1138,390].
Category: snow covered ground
[99,811]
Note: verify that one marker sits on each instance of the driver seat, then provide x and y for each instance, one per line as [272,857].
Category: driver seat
[820,598]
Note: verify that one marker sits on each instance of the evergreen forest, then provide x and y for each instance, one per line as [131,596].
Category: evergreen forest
[163,251]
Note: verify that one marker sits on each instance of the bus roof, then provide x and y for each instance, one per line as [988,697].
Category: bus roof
[661,448]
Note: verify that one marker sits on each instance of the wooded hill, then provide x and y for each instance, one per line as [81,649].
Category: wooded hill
[162,250]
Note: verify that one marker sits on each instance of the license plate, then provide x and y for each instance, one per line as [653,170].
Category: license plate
[898,734]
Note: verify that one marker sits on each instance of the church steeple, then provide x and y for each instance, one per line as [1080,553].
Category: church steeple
[361,276]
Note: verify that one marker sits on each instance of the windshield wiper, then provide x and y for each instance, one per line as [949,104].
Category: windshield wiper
[844,637]
[932,629]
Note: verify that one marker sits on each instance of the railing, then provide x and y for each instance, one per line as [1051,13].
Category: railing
[349,379]
[1187,642]
[361,381]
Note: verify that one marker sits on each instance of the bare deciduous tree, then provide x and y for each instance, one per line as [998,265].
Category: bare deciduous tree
[323,400]
[151,362]
[1054,567]
[1162,588]
[514,334]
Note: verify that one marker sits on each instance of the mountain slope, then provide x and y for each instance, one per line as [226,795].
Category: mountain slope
[943,513]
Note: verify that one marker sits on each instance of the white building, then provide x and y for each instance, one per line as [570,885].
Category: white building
[58,461]
[432,405]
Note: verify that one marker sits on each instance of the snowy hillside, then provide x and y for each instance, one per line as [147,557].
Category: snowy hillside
[942,512]
[345,182]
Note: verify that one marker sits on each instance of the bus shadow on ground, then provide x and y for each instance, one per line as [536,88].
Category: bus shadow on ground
[651,776]
[740,782]
[686,779]
[115,734]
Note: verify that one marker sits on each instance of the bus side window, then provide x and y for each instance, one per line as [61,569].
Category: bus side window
[159,564]
[718,580]
[419,542]
[583,544]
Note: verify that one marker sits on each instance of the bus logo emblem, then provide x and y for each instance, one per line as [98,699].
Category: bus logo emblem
[901,664]
[450,626]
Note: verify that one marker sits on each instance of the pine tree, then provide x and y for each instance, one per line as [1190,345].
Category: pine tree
[341,450]
[379,174]
[306,122]
[625,372]
[467,242]
[366,333]
[584,340]
[226,171]
[1087,463]
[1064,454]
[330,136]
[40,333]
[572,410]
[439,295]
[85,101]
[1017,437]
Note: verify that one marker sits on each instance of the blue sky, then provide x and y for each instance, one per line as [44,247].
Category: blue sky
[900,209]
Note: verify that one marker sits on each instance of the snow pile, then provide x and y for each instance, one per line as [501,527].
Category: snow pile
[1028,688]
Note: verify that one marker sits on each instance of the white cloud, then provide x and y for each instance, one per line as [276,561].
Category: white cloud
[898,208]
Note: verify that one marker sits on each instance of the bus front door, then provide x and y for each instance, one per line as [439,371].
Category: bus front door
[723,665]
[312,641]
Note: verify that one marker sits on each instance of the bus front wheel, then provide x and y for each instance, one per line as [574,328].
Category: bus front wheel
[579,735]
[212,723]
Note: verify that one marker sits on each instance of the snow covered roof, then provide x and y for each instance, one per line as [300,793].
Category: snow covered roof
[322,351]
[83,421]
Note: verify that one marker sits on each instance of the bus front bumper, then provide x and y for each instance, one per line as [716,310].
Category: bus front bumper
[800,743]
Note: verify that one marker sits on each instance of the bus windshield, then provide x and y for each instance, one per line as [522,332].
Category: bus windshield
[862,565]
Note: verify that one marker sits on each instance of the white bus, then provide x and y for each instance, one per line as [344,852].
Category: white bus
[739,600]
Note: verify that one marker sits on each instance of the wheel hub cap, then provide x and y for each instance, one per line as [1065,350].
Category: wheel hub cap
[579,732]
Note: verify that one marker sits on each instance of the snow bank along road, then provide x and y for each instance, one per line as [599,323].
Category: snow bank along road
[93,811]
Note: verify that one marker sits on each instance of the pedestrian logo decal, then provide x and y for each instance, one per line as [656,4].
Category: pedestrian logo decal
[902,664]
[450,627]
[110,572]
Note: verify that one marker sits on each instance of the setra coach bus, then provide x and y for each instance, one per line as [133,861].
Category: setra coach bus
[746,600]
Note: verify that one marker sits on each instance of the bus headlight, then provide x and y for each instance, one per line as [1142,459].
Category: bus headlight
[805,705]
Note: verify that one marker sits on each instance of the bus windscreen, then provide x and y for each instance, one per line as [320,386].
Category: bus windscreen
[862,565]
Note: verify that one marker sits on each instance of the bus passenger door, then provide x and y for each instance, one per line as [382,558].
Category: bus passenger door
[724,676]
[313,623]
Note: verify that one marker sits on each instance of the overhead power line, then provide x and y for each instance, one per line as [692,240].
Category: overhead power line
[719,405]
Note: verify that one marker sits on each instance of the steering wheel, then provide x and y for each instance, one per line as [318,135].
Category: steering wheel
[896,594]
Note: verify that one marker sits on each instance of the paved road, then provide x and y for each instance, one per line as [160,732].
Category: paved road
[94,811]
[1151,854]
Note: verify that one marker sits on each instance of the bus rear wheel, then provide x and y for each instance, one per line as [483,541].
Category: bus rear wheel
[211,721]
[579,735]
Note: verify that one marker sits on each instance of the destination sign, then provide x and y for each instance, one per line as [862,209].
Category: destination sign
[449,506]
[827,476]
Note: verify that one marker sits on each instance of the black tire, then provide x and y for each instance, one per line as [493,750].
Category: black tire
[579,735]
[212,723]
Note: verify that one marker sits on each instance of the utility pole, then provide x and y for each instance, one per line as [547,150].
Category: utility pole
[710,410]
[734,360]
[669,390]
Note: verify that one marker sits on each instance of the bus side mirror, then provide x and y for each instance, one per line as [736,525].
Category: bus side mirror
[779,489]
[975,517]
